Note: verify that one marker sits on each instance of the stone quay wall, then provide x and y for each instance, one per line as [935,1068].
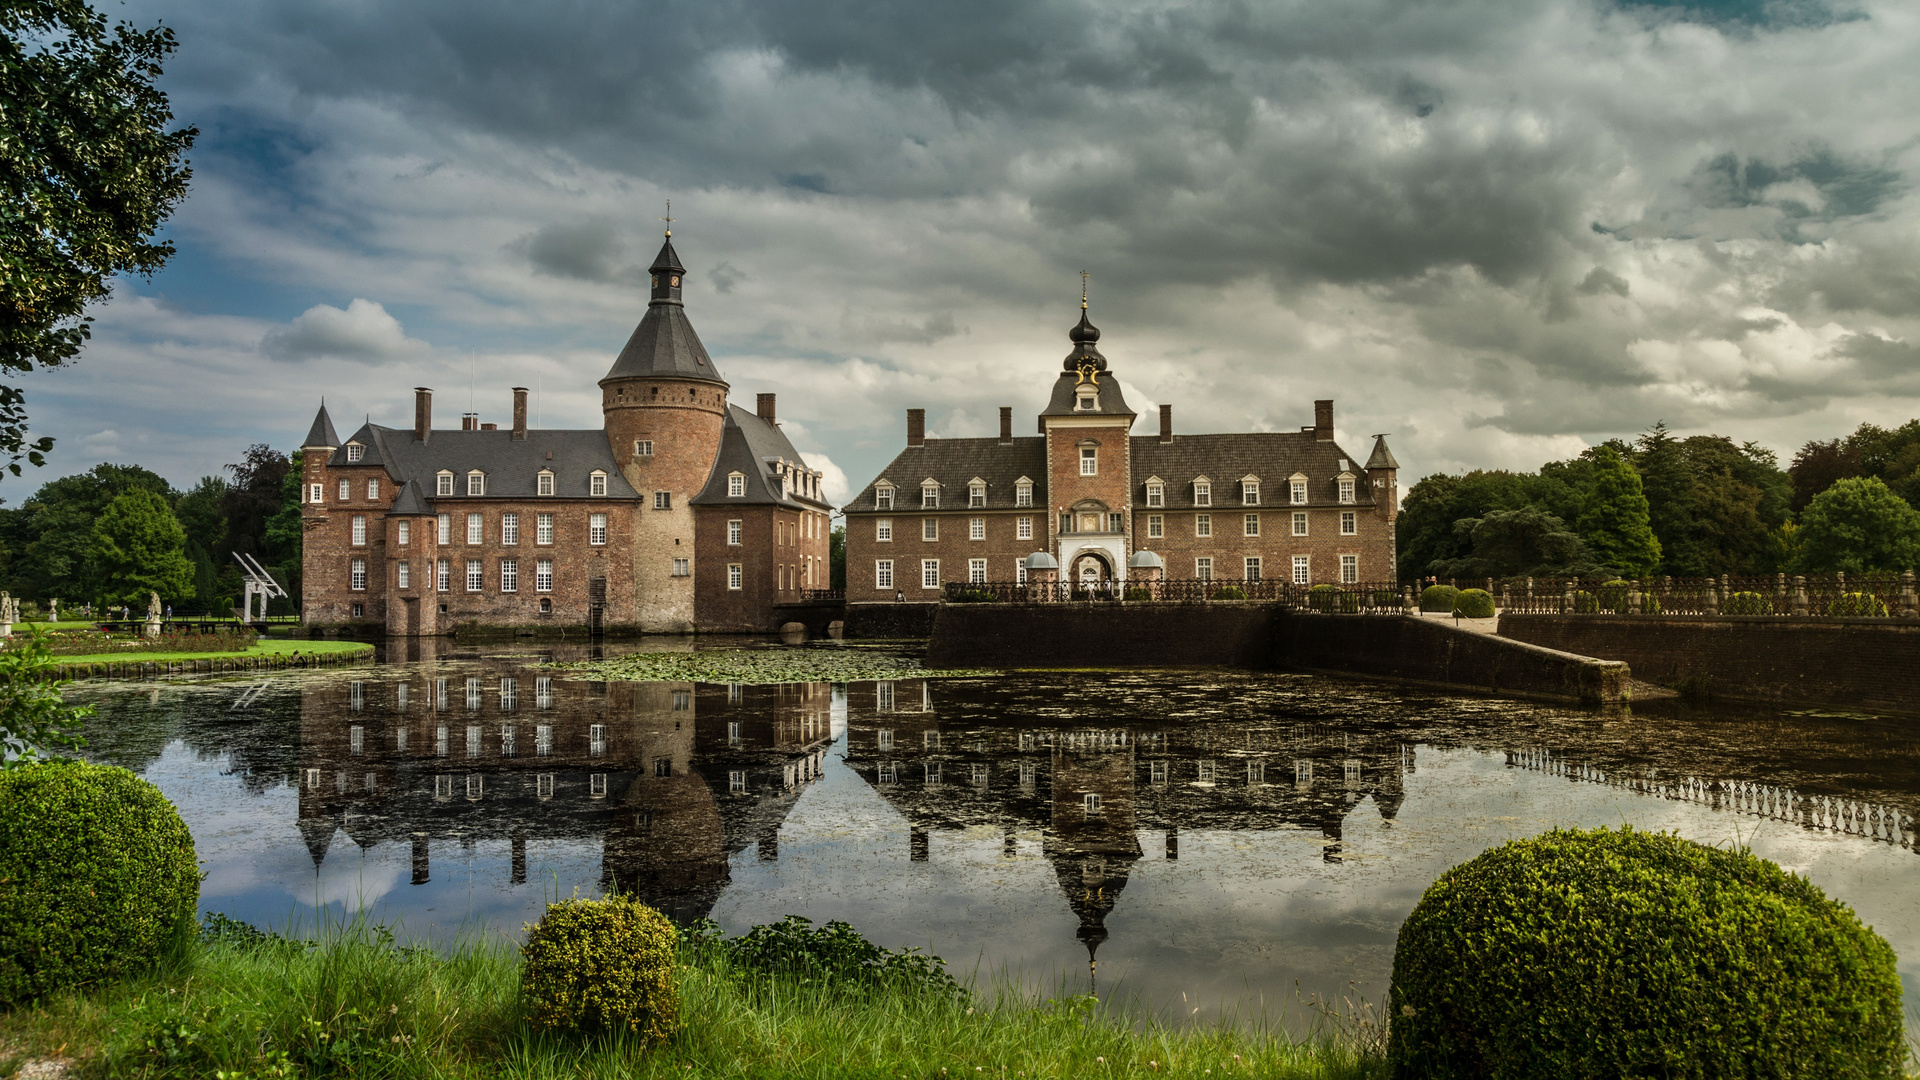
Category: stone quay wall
[1429,652]
[1868,664]
[889,621]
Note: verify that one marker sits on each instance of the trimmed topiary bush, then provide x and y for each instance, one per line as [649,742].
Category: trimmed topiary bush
[1323,598]
[1229,592]
[1613,596]
[1601,953]
[1858,605]
[1438,598]
[1585,603]
[973,596]
[1386,598]
[602,966]
[1747,603]
[1136,592]
[1474,604]
[97,877]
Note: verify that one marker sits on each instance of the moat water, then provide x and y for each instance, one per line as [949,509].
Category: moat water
[1221,842]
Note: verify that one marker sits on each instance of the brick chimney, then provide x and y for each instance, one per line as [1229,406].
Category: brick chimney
[519,412]
[422,412]
[1166,423]
[470,421]
[1006,425]
[916,427]
[1323,420]
[763,407]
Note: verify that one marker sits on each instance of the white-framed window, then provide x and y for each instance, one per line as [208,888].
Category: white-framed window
[1298,488]
[355,451]
[543,528]
[1156,495]
[1251,527]
[1346,489]
[597,529]
[1023,528]
[357,574]
[1091,802]
[1252,568]
[663,500]
[929,528]
[443,528]
[509,575]
[1023,493]
[929,573]
[1204,771]
[1299,523]
[735,576]
[976,494]
[1156,526]
[443,483]
[1116,523]
[316,493]
[403,575]
[1249,493]
[1256,773]
[883,530]
[1349,522]
[883,497]
[929,496]
[643,448]
[1301,569]
[476,483]
[543,575]
[543,747]
[402,531]
[373,489]
[543,483]
[976,571]
[1203,568]
[682,568]
[475,527]
[976,528]
[1020,571]
[1349,569]
[345,491]
[476,576]
[443,575]
[1203,524]
[883,574]
[597,484]
[509,528]
[733,533]
[1089,461]
[1202,493]
[359,530]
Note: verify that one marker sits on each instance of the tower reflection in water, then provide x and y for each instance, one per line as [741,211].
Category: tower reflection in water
[673,778]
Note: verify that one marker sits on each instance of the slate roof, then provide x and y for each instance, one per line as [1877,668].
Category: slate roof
[747,445]
[954,462]
[664,344]
[321,434]
[411,502]
[511,465]
[1382,457]
[1273,456]
[1111,402]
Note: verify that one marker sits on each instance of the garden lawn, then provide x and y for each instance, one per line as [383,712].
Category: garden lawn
[264,647]
[358,1005]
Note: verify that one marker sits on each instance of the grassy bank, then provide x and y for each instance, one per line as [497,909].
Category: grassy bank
[264,647]
[360,1005]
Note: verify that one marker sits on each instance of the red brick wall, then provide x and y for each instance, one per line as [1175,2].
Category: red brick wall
[1002,548]
[774,552]
[1065,485]
[1275,546]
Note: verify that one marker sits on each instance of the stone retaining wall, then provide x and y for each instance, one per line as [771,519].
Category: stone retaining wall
[890,620]
[1431,652]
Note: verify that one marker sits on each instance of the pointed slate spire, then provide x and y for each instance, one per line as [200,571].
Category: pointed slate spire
[411,502]
[664,344]
[1382,457]
[321,435]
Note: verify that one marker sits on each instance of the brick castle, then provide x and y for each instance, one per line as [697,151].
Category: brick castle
[682,512]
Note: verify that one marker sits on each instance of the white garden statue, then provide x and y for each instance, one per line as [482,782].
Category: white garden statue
[153,614]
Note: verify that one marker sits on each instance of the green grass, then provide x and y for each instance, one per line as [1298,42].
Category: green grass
[264,647]
[359,1005]
[63,624]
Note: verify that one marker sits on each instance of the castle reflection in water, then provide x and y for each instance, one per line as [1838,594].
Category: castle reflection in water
[676,779]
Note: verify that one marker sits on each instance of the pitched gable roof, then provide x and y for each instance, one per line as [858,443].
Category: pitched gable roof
[953,462]
[1254,453]
[751,446]
[511,465]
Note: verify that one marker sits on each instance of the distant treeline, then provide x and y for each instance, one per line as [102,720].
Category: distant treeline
[1686,507]
[117,532]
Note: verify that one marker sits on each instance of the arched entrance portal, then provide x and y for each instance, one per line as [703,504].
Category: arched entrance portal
[1091,568]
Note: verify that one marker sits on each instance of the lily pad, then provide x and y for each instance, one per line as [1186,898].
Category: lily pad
[760,666]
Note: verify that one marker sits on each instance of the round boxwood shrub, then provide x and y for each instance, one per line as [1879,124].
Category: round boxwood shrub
[1858,605]
[1627,953]
[607,965]
[1473,604]
[97,876]
[1613,595]
[1585,603]
[1136,592]
[1438,598]
[1386,598]
[1229,592]
[1323,598]
[1747,603]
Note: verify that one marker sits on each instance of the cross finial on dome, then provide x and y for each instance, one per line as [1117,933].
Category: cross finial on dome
[1083,289]
[669,219]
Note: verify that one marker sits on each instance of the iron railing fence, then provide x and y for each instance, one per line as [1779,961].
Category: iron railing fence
[1874,595]
[1357,598]
[823,594]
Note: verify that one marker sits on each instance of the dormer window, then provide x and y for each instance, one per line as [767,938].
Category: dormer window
[476,483]
[1249,491]
[1156,492]
[1202,492]
[597,484]
[355,451]
[543,484]
[1346,488]
[736,485]
[929,496]
[1023,492]
[977,493]
[883,497]
[1088,399]
[1298,485]
[444,483]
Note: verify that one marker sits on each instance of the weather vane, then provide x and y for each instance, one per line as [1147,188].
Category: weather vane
[1083,290]
[669,219]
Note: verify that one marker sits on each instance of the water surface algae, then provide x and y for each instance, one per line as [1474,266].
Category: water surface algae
[760,666]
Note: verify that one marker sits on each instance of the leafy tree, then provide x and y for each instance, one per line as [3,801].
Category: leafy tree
[54,528]
[1818,465]
[258,493]
[1668,480]
[34,716]
[1856,525]
[837,558]
[283,531]
[201,515]
[1515,543]
[88,173]
[1425,529]
[1614,522]
[139,547]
